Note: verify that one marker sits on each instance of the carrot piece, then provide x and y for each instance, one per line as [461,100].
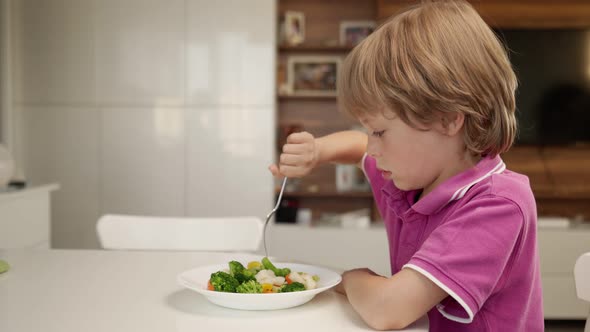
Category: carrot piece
[209,286]
[288,279]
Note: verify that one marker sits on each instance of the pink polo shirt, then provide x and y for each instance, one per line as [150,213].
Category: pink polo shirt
[475,236]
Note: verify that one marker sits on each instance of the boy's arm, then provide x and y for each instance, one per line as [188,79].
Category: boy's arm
[390,303]
[345,147]
[302,152]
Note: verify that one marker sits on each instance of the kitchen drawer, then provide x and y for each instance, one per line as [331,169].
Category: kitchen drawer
[559,248]
[560,300]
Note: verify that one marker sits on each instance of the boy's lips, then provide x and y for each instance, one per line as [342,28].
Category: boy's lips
[385,174]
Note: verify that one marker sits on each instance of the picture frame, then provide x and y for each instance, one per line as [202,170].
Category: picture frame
[353,32]
[294,28]
[313,75]
[351,178]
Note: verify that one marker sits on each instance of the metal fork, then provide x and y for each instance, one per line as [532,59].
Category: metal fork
[271,214]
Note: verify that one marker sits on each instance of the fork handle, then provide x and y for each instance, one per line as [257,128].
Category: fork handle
[281,193]
[270,215]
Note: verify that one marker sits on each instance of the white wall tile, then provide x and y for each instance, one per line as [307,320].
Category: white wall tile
[140,51]
[135,65]
[60,145]
[143,161]
[231,52]
[229,150]
[53,51]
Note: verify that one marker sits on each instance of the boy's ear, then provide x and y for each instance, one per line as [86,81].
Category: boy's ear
[452,123]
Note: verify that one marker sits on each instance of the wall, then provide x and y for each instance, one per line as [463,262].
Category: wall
[145,107]
[5,116]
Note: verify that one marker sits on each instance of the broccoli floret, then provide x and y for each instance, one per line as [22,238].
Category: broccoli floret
[293,287]
[249,287]
[223,282]
[278,272]
[235,267]
[246,275]
[237,270]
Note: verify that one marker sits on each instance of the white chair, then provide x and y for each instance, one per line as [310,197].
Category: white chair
[168,233]
[582,277]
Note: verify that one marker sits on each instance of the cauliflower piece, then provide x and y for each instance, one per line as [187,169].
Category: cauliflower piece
[296,277]
[309,283]
[304,278]
[269,277]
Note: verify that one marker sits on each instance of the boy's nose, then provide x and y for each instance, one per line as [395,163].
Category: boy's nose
[372,149]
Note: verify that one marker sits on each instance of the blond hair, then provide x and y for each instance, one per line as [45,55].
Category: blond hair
[431,60]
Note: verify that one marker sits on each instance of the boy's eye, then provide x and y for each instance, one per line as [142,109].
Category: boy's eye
[378,133]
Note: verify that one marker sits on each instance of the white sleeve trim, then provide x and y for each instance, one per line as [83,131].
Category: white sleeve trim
[362,165]
[454,295]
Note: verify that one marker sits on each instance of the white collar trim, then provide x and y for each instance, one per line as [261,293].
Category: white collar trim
[501,167]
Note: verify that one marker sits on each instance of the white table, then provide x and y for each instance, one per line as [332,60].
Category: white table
[91,291]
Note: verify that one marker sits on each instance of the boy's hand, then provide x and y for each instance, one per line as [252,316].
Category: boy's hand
[299,157]
[352,274]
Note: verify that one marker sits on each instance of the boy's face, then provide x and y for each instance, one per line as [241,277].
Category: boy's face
[412,158]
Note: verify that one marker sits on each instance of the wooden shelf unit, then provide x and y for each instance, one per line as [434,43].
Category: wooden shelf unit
[559,177]
[282,98]
[329,194]
[511,14]
[319,115]
[306,49]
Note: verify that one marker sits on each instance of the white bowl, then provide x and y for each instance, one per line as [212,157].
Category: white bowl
[196,279]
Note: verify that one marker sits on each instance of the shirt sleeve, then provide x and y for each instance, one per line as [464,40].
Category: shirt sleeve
[469,254]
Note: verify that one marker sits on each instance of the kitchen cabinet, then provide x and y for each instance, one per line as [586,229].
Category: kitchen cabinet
[25,220]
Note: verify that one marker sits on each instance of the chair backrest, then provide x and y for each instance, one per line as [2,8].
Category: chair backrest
[168,233]
[582,279]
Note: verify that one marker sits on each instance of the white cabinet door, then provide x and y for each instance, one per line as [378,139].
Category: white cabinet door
[143,161]
[25,218]
[140,52]
[231,47]
[229,150]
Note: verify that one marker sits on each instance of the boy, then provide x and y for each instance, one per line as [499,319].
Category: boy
[435,90]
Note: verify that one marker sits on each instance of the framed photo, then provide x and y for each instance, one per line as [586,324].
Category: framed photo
[294,28]
[312,75]
[353,32]
[351,178]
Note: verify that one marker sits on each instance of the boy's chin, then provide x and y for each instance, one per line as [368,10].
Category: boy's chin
[398,184]
[401,185]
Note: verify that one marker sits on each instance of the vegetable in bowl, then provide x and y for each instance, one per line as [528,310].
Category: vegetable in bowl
[260,277]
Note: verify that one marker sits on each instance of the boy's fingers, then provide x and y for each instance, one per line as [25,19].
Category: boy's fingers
[291,160]
[291,171]
[302,137]
[295,148]
[274,170]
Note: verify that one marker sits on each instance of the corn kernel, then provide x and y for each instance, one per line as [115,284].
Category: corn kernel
[254,265]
